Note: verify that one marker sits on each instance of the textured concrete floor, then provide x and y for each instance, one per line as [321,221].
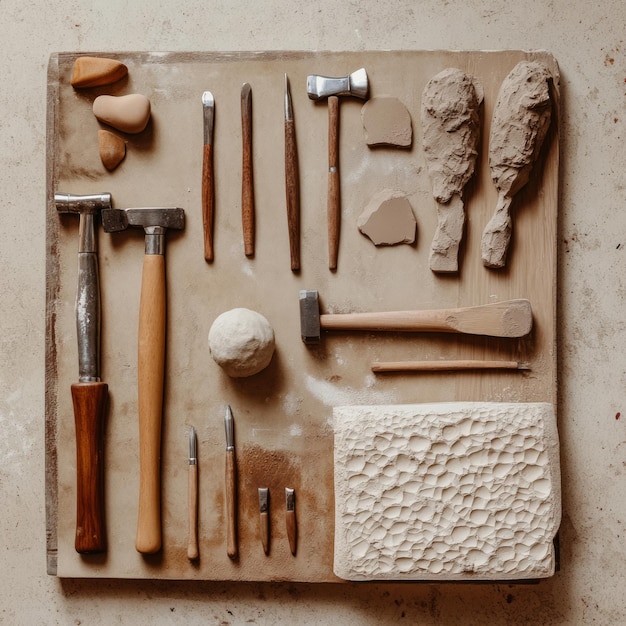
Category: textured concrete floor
[588,41]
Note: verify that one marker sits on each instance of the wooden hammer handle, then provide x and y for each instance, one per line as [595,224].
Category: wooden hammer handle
[208,200]
[89,399]
[151,366]
[334,215]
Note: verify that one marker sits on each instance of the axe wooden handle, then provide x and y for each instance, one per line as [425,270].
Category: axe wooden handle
[150,367]
[89,399]
[334,214]
[208,200]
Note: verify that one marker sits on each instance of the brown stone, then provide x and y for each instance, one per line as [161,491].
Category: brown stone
[95,71]
[129,113]
[112,149]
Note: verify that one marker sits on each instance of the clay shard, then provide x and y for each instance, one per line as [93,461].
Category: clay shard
[112,149]
[387,122]
[96,71]
[451,132]
[129,114]
[520,122]
[388,219]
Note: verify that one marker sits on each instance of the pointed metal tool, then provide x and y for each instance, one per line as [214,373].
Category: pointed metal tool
[290,519]
[264,518]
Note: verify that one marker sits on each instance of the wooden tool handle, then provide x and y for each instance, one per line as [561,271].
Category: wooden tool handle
[292,184]
[264,520]
[208,200]
[89,401]
[442,366]
[247,184]
[231,505]
[333,182]
[292,530]
[511,318]
[151,365]
[192,492]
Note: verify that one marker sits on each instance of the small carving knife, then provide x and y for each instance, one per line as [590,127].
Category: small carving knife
[231,486]
[292,183]
[247,186]
[192,546]
[208,191]
[264,518]
[290,519]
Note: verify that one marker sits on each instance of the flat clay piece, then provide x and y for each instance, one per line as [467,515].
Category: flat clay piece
[388,219]
[112,149]
[520,122]
[95,71]
[129,113]
[446,491]
[387,122]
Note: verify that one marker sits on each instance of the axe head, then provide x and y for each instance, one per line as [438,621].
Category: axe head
[320,87]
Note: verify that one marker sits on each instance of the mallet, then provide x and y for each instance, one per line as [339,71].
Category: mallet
[512,318]
[151,359]
[89,395]
[319,88]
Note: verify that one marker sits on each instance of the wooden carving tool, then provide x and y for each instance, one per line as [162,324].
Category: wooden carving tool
[290,519]
[208,191]
[192,492]
[292,181]
[231,487]
[264,518]
[247,185]
[446,366]
[512,318]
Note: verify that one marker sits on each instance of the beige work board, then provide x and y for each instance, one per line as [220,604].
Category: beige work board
[283,415]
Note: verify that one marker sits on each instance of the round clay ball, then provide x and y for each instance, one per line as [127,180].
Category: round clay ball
[241,342]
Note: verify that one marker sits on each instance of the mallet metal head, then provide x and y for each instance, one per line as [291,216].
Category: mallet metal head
[320,87]
[310,328]
[154,220]
[72,203]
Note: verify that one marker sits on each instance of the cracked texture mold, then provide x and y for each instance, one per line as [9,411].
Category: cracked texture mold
[446,491]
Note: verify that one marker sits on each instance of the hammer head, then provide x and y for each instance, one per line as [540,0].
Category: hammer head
[72,203]
[320,87]
[310,328]
[114,220]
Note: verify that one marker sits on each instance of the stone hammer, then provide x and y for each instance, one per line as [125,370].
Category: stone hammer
[89,395]
[512,318]
[319,88]
[151,359]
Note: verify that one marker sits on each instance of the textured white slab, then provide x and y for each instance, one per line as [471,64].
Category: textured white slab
[446,491]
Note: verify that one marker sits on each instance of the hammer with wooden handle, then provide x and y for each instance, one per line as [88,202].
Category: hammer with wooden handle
[319,88]
[89,395]
[151,359]
[512,318]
